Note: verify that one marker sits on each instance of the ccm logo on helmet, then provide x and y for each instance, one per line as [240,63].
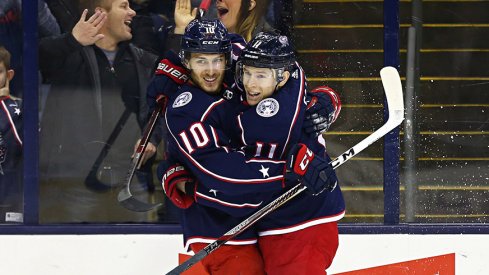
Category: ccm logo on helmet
[205,42]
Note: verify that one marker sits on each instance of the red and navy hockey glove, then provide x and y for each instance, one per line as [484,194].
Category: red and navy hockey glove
[169,75]
[322,110]
[313,171]
[175,177]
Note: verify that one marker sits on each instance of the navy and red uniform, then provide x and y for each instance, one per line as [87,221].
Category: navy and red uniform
[10,160]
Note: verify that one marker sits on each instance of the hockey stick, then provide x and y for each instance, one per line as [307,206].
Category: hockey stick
[125,197]
[91,180]
[393,92]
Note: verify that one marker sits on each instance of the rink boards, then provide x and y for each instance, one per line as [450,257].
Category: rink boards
[156,254]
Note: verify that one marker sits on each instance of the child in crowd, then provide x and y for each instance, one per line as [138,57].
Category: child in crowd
[10,146]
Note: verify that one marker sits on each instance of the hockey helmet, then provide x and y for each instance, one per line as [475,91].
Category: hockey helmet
[205,36]
[268,50]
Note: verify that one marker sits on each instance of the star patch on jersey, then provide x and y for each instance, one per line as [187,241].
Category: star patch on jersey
[267,107]
[182,100]
[264,171]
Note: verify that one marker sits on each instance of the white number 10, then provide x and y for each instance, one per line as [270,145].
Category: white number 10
[199,137]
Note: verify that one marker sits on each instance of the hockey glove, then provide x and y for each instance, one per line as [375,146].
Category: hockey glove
[175,179]
[313,171]
[169,75]
[322,110]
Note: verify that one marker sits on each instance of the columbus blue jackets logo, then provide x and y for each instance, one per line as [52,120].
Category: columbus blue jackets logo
[267,107]
[182,100]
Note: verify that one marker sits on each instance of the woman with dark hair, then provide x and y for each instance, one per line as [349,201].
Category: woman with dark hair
[245,17]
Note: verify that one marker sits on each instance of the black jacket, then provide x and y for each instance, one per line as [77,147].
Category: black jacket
[89,103]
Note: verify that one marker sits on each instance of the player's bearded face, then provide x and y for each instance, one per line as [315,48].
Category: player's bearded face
[259,83]
[207,71]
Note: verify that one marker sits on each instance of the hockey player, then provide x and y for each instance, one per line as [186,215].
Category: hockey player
[195,122]
[274,84]
[10,146]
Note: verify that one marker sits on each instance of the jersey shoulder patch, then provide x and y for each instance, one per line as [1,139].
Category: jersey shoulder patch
[182,99]
[268,107]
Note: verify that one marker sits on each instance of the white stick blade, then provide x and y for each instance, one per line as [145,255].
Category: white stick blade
[393,92]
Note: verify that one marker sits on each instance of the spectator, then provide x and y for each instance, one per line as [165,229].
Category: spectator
[244,17]
[96,103]
[11,33]
[11,196]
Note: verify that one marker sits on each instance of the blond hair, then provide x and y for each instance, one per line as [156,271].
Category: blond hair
[249,20]
[5,57]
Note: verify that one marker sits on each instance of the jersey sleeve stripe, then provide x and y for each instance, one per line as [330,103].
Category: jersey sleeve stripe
[266,161]
[216,140]
[209,109]
[240,124]
[300,96]
[228,204]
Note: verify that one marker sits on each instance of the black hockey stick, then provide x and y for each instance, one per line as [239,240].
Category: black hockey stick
[125,196]
[91,180]
[395,104]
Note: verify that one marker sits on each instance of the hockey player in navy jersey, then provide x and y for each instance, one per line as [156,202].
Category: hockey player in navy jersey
[10,146]
[274,86]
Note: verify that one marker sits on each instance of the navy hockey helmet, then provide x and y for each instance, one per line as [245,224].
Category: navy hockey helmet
[205,36]
[267,50]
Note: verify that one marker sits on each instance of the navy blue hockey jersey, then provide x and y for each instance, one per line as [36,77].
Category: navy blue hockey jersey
[10,156]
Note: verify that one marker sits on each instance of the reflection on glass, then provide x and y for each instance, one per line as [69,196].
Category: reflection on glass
[450,180]
[11,193]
